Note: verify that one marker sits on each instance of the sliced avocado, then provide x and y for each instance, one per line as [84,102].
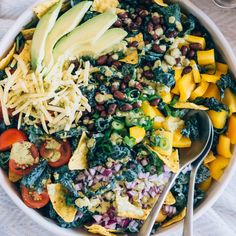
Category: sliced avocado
[89,32]
[42,30]
[108,40]
[65,24]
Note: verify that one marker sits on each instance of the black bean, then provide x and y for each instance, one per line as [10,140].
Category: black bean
[172,34]
[148,74]
[156,20]
[195,46]
[116,64]
[119,95]
[127,78]
[118,23]
[100,107]
[187,70]
[184,50]
[123,86]
[156,48]
[112,109]
[191,54]
[126,107]
[134,44]
[102,60]
[123,15]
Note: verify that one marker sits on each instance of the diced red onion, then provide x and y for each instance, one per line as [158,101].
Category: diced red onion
[130,185]
[80,177]
[78,186]
[153,177]
[90,183]
[92,171]
[133,224]
[102,170]
[107,172]
[97,218]
[144,162]
[187,169]
[117,167]
[79,215]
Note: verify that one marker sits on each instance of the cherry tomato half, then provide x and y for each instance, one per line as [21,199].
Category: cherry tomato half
[33,199]
[22,169]
[11,136]
[64,150]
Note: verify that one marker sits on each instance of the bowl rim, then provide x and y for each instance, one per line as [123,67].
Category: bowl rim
[214,192]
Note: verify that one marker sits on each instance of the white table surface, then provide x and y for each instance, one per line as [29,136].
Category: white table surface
[220,220]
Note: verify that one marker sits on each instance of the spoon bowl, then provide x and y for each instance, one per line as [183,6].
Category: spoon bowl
[187,157]
[227,4]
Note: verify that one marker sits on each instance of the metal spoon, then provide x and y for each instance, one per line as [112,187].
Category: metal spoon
[187,156]
[188,221]
[225,3]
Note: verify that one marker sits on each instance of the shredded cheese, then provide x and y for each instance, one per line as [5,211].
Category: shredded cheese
[55,101]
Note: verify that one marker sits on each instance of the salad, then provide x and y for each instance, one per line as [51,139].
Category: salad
[93,98]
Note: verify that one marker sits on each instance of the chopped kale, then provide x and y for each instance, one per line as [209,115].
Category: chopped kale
[151,56]
[37,177]
[212,103]
[90,95]
[129,175]
[202,174]
[72,133]
[191,129]
[199,196]
[172,10]
[128,69]
[226,81]
[2,74]
[188,24]
[35,134]
[164,78]
[20,41]
[102,124]
[180,190]
[4,158]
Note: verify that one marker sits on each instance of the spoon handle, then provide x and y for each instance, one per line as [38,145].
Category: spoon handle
[150,221]
[188,221]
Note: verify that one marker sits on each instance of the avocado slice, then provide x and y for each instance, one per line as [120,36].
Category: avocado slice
[42,30]
[65,24]
[106,43]
[89,32]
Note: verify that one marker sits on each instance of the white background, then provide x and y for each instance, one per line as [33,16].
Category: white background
[220,220]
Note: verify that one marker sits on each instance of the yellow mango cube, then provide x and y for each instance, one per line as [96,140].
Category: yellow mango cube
[149,110]
[196,73]
[218,119]
[186,86]
[232,129]
[206,57]
[209,158]
[223,146]
[200,90]
[217,167]
[178,72]
[166,97]
[222,67]
[230,100]
[138,133]
[167,139]
[204,186]
[179,141]
[196,39]
[210,78]
[212,91]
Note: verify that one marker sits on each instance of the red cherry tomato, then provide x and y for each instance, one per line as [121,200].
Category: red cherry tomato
[22,169]
[33,199]
[65,154]
[11,136]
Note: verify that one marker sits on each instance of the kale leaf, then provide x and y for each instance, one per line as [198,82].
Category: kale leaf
[36,178]
[172,10]
[164,78]
[191,129]
[199,196]
[188,25]
[102,124]
[226,81]
[72,133]
[2,74]
[35,134]
[4,158]
[202,174]
[212,103]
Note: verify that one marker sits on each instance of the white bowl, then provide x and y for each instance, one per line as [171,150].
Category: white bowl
[216,189]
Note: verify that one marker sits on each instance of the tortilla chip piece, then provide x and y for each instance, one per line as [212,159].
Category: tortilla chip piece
[28,33]
[131,57]
[170,199]
[104,5]
[161,3]
[42,8]
[190,105]
[160,218]
[128,210]
[57,195]
[172,161]
[209,158]
[138,38]
[6,60]
[176,219]
[98,229]
[13,177]
[78,161]
[25,53]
